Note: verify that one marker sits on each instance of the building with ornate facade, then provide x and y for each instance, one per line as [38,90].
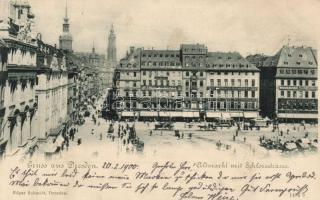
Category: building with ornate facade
[51,93]
[18,58]
[188,83]
[289,84]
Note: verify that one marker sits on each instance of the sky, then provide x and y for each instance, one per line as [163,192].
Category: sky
[246,26]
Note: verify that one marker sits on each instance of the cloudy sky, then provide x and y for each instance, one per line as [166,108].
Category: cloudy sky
[247,26]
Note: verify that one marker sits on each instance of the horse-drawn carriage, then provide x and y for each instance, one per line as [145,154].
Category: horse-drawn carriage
[207,127]
[163,125]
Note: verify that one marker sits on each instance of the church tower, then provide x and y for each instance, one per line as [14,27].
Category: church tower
[65,40]
[112,50]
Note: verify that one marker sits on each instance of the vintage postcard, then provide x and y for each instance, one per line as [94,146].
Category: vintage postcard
[159,99]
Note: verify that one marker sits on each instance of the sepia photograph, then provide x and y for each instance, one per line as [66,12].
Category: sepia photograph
[159,99]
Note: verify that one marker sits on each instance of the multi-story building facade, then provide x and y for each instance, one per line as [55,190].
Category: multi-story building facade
[189,83]
[19,41]
[289,84]
[51,93]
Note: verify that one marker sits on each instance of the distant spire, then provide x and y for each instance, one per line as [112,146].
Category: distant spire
[66,17]
[112,30]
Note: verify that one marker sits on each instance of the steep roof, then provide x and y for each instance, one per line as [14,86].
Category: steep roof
[228,61]
[290,56]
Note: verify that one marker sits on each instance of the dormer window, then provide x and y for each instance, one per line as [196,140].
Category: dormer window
[310,63]
[298,63]
[300,55]
[289,55]
[219,57]
[285,62]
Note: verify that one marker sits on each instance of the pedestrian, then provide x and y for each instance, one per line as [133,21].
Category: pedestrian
[79,141]
[237,132]
[100,136]
[234,138]
[182,135]
[150,133]
[244,139]
[161,133]
[92,131]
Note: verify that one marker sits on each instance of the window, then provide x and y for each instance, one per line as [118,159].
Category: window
[253,83]
[313,83]
[282,93]
[127,93]
[179,94]
[201,94]
[211,82]
[187,94]
[201,73]
[225,82]
[313,94]
[253,94]
[282,82]
[144,93]
[232,82]
[201,83]
[294,82]
[144,82]
[187,73]
[246,82]
[306,94]
[285,62]
[144,73]
[300,55]
[187,83]
[219,82]
[134,84]
[294,71]
[173,83]
[211,93]
[305,71]
[179,82]
[239,82]
[246,94]
[300,82]
[294,94]
[288,94]
[307,82]
[150,82]
[150,93]
[289,82]
[134,74]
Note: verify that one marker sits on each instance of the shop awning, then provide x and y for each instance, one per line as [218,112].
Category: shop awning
[213,115]
[170,114]
[190,114]
[236,114]
[225,115]
[250,115]
[298,115]
[148,114]
[127,114]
